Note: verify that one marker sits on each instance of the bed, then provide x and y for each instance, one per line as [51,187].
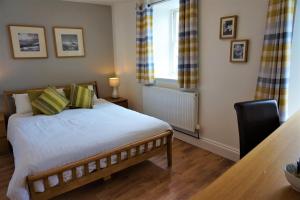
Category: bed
[56,154]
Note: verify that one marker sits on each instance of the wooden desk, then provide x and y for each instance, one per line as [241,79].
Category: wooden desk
[259,175]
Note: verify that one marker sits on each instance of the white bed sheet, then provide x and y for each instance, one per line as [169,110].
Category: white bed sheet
[43,142]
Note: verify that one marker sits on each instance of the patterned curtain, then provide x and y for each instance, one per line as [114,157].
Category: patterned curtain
[272,82]
[144,44]
[188,44]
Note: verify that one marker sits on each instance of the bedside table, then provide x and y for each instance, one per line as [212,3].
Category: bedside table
[119,101]
[4,146]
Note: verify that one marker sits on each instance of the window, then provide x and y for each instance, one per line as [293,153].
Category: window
[165,39]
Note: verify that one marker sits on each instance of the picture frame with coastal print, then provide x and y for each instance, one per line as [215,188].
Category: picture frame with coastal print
[69,42]
[228,27]
[27,41]
[239,51]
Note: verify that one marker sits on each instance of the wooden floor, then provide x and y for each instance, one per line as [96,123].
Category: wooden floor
[193,169]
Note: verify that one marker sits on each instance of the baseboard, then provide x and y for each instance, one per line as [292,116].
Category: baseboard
[213,146]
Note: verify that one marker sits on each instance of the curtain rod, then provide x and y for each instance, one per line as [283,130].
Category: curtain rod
[157,2]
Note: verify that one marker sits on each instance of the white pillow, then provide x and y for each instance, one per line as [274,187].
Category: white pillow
[91,87]
[61,91]
[23,104]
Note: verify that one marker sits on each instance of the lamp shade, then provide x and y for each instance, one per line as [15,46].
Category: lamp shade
[114,82]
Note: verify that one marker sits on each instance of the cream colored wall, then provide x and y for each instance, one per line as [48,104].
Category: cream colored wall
[221,82]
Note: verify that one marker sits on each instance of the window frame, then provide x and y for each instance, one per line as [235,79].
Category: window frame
[174,27]
[172,76]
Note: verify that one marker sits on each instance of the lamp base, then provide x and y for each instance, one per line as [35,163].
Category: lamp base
[115,93]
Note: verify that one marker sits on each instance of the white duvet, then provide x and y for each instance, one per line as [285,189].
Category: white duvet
[43,142]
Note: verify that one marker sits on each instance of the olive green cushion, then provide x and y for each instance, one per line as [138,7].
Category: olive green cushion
[33,95]
[67,90]
[50,102]
[81,97]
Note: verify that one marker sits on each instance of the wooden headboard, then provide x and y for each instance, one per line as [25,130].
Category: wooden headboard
[9,106]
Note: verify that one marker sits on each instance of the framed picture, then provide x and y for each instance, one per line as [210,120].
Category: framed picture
[228,27]
[28,41]
[239,51]
[69,42]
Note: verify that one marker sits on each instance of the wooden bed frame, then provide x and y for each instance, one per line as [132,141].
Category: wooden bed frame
[164,146]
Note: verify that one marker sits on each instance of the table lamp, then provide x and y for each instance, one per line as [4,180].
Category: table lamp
[114,82]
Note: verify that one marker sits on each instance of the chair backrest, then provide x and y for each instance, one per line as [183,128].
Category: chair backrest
[256,121]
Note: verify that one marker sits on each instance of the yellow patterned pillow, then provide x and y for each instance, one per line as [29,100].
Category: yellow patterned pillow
[81,97]
[50,102]
[33,95]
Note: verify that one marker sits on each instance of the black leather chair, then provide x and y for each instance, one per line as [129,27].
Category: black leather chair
[256,121]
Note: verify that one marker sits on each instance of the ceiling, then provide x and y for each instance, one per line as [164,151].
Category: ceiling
[105,2]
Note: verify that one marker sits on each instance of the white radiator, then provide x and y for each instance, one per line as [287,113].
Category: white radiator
[179,109]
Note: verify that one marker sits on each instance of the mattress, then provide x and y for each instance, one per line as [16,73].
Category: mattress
[44,142]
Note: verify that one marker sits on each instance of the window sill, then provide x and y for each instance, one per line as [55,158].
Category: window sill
[167,83]
[166,80]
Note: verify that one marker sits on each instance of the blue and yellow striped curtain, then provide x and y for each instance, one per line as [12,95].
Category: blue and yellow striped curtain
[272,82]
[144,44]
[188,44]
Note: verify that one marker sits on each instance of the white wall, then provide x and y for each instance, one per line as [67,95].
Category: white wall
[124,30]
[294,87]
[221,82]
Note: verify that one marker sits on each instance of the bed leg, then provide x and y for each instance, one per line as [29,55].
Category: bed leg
[169,150]
[31,189]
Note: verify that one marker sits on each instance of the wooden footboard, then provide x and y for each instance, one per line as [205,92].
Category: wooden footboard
[143,149]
